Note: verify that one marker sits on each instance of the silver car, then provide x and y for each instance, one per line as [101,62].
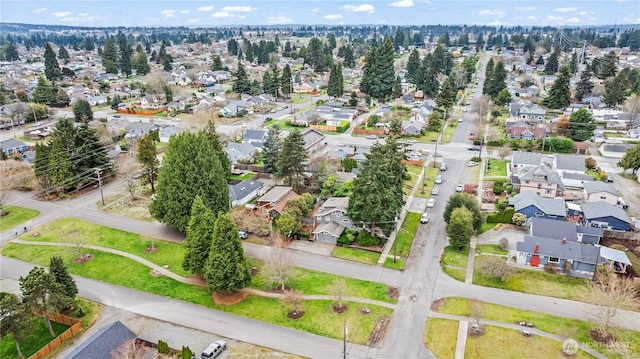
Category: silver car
[439,179]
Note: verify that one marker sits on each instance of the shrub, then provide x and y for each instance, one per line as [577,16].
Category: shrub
[590,163]
[504,216]
[551,268]
[503,243]
[509,188]
[496,267]
[163,347]
[475,159]
[344,126]
[503,203]
[186,353]
[498,188]
[366,240]
[519,219]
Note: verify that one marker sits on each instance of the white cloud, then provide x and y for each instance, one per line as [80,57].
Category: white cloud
[279,20]
[168,13]
[151,19]
[492,12]
[313,11]
[333,17]
[42,9]
[565,9]
[402,3]
[583,13]
[62,14]
[525,8]
[222,14]
[242,17]
[237,9]
[83,17]
[191,21]
[532,18]
[360,8]
[184,11]
[572,20]
[205,8]
[555,18]
[495,23]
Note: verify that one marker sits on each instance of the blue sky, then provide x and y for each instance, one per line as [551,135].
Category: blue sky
[313,12]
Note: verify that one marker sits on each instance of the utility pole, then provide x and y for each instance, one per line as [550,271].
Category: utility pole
[98,173]
[435,153]
[344,347]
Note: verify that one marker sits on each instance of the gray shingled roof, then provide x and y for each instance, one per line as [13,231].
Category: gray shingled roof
[552,228]
[11,144]
[572,163]
[550,206]
[599,186]
[548,247]
[526,158]
[242,189]
[600,209]
[103,342]
[538,172]
[577,176]
[255,135]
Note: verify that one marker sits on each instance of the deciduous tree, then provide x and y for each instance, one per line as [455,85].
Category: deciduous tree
[497,267]
[469,202]
[631,159]
[277,269]
[460,227]
[612,293]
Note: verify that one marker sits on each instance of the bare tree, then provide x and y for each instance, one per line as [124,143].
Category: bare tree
[632,107]
[129,170]
[277,269]
[314,119]
[15,175]
[504,151]
[293,300]
[496,267]
[78,239]
[127,350]
[611,292]
[339,290]
[481,105]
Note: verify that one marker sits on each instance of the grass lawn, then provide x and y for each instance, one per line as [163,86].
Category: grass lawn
[17,215]
[431,136]
[486,227]
[440,337]
[490,248]
[414,174]
[319,318]
[356,255]
[545,322]
[457,274]
[406,234]
[398,265]
[448,132]
[535,282]
[430,177]
[243,177]
[498,168]
[500,342]
[37,338]
[452,256]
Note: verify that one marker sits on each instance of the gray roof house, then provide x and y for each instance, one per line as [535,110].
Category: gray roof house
[525,159]
[165,133]
[571,231]
[139,129]
[539,179]
[604,215]
[532,205]
[600,191]
[255,137]
[102,342]
[331,220]
[312,139]
[572,170]
[244,191]
[238,152]
[527,110]
[575,258]
[413,127]
[12,146]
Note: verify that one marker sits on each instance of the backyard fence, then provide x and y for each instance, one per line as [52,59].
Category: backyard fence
[75,328]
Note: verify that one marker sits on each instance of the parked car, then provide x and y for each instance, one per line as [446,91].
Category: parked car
[609,178]
[459,188]
[474,148]
[415,154]
[117,116]
[214,350]
[372,137]
[472,164]
[438,179]
[443,166]
[267,119]
[424,218]
[435,191]
[243,234]
[460,120]
[431,202]
[412,141]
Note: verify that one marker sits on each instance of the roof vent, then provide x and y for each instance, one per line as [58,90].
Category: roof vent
[564,240]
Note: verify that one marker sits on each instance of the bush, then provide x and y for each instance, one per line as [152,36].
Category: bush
[304,235]
[503,243]
[504,216]
[364,239]
[475,159]
[519,219]
[551,268]
[498,188]
[344,126]
[509,188]
[347,237]
[163,347]
[186,353]
[502,204]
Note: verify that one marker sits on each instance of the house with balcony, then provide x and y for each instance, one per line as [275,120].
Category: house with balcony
[539,179]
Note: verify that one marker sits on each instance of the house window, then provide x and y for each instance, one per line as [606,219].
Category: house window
[327,218]
[344,220]
[539,186]
[547,191]
[527,182]
[539,214]
[554,259]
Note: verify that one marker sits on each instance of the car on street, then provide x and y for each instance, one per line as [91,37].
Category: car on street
[609,178]
[460,119]
[435,191]
[459,188]
[431,202]
[439,179]
[474,148]
[214,350]
[412,141]
[268,119]
[424,218]
[372,137]
[443,166]
[243,234]
[415,154]
[473,164]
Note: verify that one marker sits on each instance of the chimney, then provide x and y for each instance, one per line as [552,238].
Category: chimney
[564,240]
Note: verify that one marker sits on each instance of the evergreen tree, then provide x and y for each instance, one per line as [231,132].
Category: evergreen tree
[141,63]
[198,239]
[573,65]
[216,63]
[62,277]
[460,228]
[44,92]
[14,319]
[497,82]
[226,268]
[487,75]
[51,68]
[148,159]
[274,86]
[615,90]
[110,57]
[63,54]
[606,65]
[241,83]
[582,125]
[560,94]
[191,167]
[82,110]
[584,86]
[166,63]
[428,78]
[446,96]
[348,57]
[551,67]
[211,133]
[271,149]
[285,81]
[61,168]
[255,89]
[292,159]
[503,98]
[413,67]
[10,52]
[336,83]
[267,83]
[378,72]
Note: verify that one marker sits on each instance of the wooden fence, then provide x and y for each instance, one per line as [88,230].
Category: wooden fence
[323,128]
[140,112]
[363,131]
[247,167]
[75,328]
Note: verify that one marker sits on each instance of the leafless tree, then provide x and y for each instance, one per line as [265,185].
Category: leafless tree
[481,105]
[504,151]
[496,267]
[314,119]
[293,300]
[129,170]
[459,74]
[598,89]
[128,349]
[339,290]
[611,292]
[78,239]
[632,107]
[277,269]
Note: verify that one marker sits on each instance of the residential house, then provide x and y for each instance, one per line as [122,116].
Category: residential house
[233,109]
[240,152]
[13,114]
[604,215]
[575,258]
[175,106]
[522,130]
[275,200]
[96,100]
[117,126]
[527,110]
[571,231]
[313,140]
[532,206]
[102,343]
[165,133]
[615,259]
[139,129]
[413,127]
[152,102]
[600,191]
[255,137]
[11,146]
[521,159]
[571,170]
[331,220]
[539,179]
[615,150]
[245,191]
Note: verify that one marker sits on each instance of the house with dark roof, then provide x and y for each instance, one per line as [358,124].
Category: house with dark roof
[102,342]
[519,159]
[275,199]
[600,191]
[11,146]
[139,129]
[255,137]
[571,231]
[240,152]
[575,258]
[539,179]
[615,150]
[532,206]
[245,191]
[522,130]
[312,139]
[604,215]
[331,220]
[572,170]
[527,110]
